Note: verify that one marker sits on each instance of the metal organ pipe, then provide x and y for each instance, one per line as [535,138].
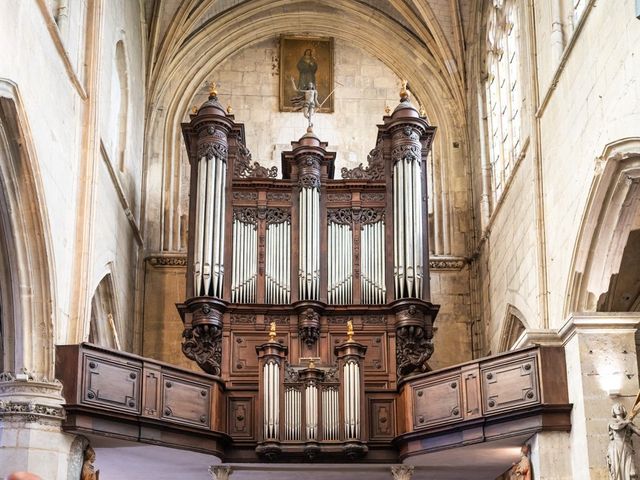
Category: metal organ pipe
[311,393]
[271,399]
[208,268]
[407,208]
[340,263]
[245,257]
[351,401]
[309,258]
[373,260]
[277,272]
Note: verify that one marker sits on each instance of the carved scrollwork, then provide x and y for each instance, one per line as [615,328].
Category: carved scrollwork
[309,181]
[339,197]
[203,344]
[372,196]
[211,150]
[277,215]
[245,195]
[291,375]
[279,319]
[244,169]
[413,350]
[369,215]
[282,196]
[341,216]
[243,319]
[374,169]
[407,153]
[331,375]
[246,215]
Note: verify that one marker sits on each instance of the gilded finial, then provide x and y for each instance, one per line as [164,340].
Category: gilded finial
[272,332]
[194,109]
[350,331]
[229,109]
[213,89]
[423,112]
[312,363]
[387,110]
[404,91]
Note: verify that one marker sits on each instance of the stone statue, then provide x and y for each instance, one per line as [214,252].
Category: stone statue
[307,100]
[307,68]
[522,469]
[89,472]
[620,451]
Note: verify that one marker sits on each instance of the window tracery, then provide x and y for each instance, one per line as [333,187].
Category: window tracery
[503,92]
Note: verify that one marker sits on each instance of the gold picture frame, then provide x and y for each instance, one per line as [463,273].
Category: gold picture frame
[306,59]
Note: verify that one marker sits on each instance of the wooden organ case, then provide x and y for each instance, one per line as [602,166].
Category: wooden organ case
[308,297]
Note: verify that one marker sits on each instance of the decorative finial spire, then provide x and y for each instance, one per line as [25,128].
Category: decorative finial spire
[194,109]
[387,110]
[423,112]
[229,109]
[213,90]
[272,332]
[350,331]
[405,93]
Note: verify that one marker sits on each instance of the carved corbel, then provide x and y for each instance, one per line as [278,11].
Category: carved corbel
[202,335]
[414,345]
[309,326]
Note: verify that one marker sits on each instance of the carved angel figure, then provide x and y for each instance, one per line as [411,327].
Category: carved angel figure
[89,472]
[620,451]
[307,100]
[522,469]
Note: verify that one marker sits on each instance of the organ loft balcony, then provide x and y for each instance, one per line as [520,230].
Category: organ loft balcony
[308,313]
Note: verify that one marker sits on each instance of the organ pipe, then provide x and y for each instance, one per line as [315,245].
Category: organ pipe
[271,399]
[208,264]
[351,400]
[407,208]
[340,263]
[277,270]
[244,273]
[309,257]
[373,263]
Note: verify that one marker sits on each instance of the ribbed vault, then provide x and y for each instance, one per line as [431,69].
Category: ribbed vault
[196,41]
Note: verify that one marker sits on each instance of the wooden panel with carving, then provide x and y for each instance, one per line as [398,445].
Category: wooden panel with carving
[471,400]
[375,361]
[509,385]
[111,384]
[185,401]
[244,360]
[240,418]
[151,391]
[437,402]
[382,419]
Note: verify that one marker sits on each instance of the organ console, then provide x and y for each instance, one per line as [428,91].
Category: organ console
[335,269]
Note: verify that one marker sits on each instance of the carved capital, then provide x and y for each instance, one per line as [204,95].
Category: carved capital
[402,472]
[23,397]
[220,472]
[247,215]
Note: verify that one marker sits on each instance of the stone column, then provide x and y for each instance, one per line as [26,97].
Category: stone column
[31,437]
[602,370]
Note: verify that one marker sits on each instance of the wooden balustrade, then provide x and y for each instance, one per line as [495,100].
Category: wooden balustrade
[134,398]
[512,393]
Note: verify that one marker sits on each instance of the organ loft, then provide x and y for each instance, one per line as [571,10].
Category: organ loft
[308,317]
[307,258]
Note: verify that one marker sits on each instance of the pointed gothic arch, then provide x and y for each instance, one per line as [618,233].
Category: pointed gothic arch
[27,286]
[513,326]
[612,213]
[103,326]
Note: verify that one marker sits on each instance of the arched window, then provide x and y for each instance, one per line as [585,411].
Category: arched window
[503,92]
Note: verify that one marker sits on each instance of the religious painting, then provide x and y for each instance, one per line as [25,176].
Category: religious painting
[305,61]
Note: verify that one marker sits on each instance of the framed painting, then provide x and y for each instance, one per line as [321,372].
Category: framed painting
[305,60]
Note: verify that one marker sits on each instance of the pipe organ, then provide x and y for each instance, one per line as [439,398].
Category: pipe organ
[336,270]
